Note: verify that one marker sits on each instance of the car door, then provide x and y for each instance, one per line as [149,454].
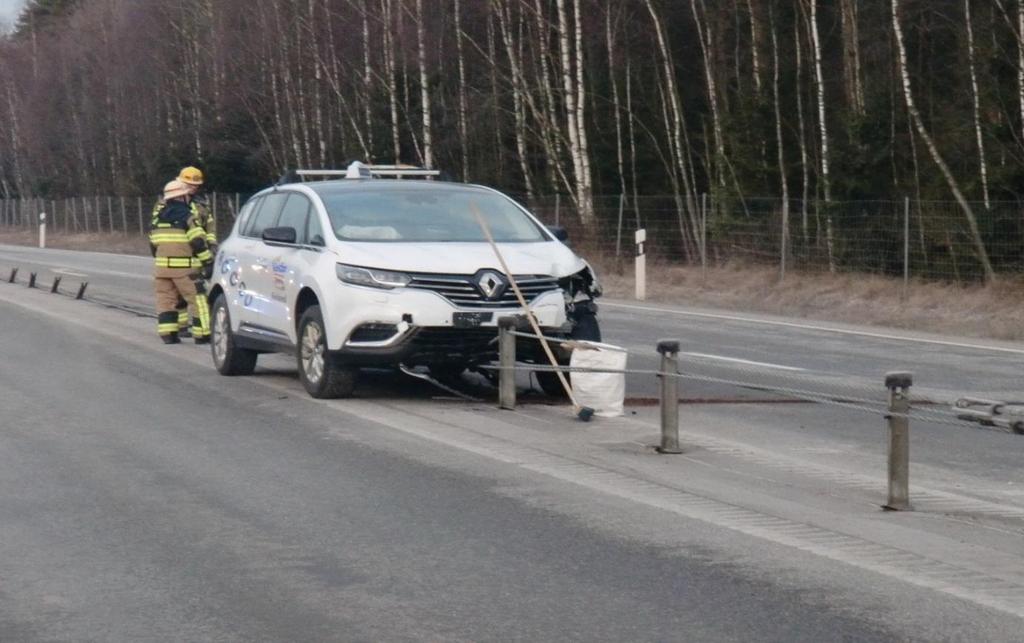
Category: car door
[234,264]
[255,282]
[288,266]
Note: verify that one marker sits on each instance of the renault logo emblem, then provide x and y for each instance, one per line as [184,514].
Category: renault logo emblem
[491,284]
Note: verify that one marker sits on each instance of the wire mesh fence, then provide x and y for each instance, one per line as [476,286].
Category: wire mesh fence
[921,239]
[929,240]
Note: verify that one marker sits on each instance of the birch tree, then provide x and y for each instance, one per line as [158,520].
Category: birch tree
[951,181]
[976,102]
[569,89]
[428,137]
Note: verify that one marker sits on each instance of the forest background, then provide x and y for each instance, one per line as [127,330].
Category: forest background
[811,128]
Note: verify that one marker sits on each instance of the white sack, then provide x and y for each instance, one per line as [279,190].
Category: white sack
[603,392]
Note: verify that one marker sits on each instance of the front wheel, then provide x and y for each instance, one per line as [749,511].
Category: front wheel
[321,376]
[227,356]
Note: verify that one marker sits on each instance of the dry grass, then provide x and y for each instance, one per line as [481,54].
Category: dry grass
[99,242]
[970,311]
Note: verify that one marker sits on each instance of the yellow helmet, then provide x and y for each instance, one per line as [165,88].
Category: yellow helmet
[191,175]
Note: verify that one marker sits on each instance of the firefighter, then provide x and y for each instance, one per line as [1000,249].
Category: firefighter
[178,245]
[193,177]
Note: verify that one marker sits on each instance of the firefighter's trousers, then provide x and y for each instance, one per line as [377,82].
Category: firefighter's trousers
[196,315]
[168,289]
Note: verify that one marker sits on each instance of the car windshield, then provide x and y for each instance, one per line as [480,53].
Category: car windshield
[426,215]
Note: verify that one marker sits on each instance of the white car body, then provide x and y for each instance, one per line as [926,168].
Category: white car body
[268,284]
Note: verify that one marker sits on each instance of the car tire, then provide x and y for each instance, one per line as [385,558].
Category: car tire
[321,375]
[585,329]
[228,358]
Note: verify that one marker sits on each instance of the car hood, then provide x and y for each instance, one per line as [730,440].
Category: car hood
[544,258]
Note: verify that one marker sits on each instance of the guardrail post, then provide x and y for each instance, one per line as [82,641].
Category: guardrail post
[56,284]
[899,384]
[14,275]
[507,362]
[31,280]
[81,289]
[669,349]
[42,229]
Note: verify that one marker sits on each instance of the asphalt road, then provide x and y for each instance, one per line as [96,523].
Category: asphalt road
[833,360]
[144,497]
[143,500]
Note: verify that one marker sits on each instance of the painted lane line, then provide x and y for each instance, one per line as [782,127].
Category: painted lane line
[829,329]
[744,361]
[68,272]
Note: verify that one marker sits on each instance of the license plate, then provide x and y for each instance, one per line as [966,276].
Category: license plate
[470,320]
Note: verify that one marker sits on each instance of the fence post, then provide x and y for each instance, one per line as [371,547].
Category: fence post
[641,265]
[124,218]
[507,362]
[669,349]
[558,204]
[899,384]
[906,248]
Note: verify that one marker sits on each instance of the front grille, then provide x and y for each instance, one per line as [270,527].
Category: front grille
[462,291]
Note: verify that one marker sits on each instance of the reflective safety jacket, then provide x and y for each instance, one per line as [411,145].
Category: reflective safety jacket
[204,216]
[177,241]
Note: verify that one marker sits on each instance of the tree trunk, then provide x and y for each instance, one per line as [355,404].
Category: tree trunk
[851,56]
[428,137]
[983,167]
[823,126]
[755,41]
[616,106]
[504,23]
[704,37]
[954,187]
[367,93]
[463,135]
[587,188]
[778,139]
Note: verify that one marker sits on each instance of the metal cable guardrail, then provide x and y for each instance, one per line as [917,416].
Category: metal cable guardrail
[808,387]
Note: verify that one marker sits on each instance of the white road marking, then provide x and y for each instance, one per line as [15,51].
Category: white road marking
[69,273]
[722,358]
[830,329]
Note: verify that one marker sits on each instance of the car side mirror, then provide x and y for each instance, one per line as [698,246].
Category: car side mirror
[317,240]
[559,232]
[283,234]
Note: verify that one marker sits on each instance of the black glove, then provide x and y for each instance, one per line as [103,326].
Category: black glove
[207,271]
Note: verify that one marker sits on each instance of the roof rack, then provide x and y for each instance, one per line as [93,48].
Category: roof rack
[359,170]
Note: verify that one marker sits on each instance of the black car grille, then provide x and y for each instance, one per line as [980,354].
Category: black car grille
[454,344]
[462,290]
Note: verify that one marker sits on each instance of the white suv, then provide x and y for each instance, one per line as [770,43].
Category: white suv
[371,272]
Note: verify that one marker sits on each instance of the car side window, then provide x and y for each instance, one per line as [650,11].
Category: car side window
[294,215]
[245,216]
[267,215]
[315,233]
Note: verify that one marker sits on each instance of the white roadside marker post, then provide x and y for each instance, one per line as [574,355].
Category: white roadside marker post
[42,229]
[641,265]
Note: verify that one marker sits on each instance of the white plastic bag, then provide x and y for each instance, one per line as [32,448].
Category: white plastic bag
[603,392]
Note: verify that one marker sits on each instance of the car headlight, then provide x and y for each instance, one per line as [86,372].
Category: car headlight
[371,277]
